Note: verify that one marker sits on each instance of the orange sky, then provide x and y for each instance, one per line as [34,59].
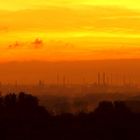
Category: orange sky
[69,29]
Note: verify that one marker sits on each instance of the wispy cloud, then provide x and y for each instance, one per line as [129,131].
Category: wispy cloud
[91,32]
[96,18]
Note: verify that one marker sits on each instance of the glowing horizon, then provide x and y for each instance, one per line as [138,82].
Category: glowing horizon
[69,30]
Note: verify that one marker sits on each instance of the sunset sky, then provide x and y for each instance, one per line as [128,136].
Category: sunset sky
[69,29]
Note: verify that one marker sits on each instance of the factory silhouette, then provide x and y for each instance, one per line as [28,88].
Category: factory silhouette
[106,109]
[102,82]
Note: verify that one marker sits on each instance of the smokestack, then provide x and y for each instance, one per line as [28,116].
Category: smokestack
[57,79]
[99,79]
[108,80]
[124,81]
[67,81]
[64,81]
[84,81]
[111,79]
[104,79]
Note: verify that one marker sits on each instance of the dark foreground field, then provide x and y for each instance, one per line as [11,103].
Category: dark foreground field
[22,118]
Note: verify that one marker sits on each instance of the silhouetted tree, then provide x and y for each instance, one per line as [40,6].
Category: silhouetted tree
[10,100]
[23,118]
[121,108]
[27,100]
[105,107]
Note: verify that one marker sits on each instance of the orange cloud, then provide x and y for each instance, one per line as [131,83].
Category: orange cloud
[92,32]
[64,19]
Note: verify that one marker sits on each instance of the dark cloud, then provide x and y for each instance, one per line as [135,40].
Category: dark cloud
[37,43]
[15,45]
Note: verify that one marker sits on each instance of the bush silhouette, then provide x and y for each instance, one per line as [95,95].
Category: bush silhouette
[21,117]
[105,107]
